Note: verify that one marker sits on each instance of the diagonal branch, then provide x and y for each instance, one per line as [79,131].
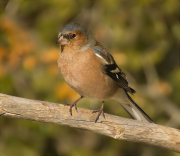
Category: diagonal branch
[112,126]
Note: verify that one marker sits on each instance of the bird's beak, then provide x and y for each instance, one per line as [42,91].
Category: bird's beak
[62,41]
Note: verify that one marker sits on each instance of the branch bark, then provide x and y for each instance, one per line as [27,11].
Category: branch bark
[112,126]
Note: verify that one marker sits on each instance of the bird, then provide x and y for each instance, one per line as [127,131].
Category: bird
[89,69]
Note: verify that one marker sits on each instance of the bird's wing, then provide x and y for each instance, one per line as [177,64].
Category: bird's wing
[112,70]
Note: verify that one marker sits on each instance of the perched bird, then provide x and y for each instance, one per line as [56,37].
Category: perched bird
[91,71]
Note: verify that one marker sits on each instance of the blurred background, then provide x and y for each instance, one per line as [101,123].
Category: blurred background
[143,37]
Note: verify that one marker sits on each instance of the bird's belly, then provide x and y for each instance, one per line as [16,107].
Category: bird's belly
[87,80]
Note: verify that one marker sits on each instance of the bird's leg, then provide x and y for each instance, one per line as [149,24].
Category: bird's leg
[74,105]
[100,111]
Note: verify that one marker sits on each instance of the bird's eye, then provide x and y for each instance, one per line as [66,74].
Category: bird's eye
[73,35]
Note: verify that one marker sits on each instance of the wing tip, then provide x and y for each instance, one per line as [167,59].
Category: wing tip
[132,91]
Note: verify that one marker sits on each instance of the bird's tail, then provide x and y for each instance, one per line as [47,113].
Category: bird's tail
[131,107]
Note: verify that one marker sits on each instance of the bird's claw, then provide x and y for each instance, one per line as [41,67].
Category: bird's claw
[100,112]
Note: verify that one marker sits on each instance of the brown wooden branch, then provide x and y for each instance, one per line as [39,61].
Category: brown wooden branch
[112,126]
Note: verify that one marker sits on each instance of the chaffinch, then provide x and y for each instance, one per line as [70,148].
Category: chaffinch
[91,71]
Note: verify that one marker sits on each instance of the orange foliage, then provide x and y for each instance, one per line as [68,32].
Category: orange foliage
[50,55]
[63,92]
[53,69]
[29,62]
[18,41]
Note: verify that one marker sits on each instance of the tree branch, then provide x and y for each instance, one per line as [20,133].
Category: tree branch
[112,126]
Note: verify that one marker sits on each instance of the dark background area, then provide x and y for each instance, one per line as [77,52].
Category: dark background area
[143,37]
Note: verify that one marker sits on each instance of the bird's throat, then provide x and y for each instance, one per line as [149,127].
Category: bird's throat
[62,48]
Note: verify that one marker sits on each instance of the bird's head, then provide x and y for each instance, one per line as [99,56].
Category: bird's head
[76,36]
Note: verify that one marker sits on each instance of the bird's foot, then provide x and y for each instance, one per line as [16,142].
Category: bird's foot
[73,105]
[100,112]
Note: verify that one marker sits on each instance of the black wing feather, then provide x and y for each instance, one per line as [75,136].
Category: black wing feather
[119,77]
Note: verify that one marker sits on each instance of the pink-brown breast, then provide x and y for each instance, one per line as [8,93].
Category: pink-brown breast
[84,74]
